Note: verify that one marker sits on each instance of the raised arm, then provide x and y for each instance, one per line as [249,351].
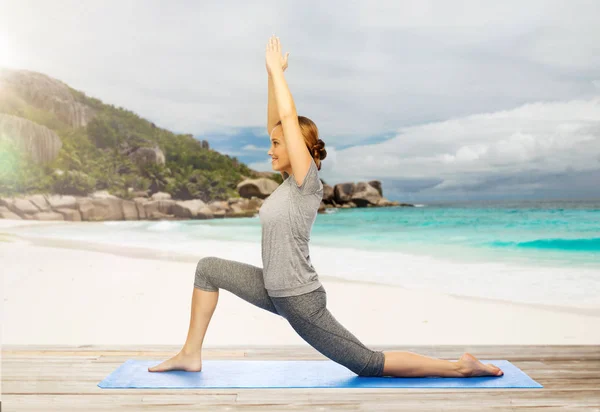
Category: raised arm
[272,111]
[300,158]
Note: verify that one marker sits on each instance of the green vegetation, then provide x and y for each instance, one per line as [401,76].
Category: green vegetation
[96,157]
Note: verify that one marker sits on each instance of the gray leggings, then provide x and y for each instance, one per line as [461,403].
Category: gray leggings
[307,313]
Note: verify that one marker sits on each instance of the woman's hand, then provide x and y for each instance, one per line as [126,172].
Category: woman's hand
[273,57]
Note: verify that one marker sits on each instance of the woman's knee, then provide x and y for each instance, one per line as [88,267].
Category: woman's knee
[374,367]
[204,268]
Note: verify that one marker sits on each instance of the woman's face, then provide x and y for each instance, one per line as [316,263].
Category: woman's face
[278,152]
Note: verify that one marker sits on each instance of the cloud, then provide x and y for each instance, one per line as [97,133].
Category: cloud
[358,69]
[253,148]
[482,151]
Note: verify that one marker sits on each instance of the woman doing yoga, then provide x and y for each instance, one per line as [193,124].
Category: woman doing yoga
[288,285]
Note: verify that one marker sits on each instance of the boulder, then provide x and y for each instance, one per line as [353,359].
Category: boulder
[58,201]
[147,155]
[342,192]
[5,213]
[260,188]
[130,210]
[364,194]
[244,205]
[71,215]
[100,209]
[38,141]
[20,206]
[194,208]
[161,196]
[219,205]
[157,209]
[48,216]
[139,204]
[40,202]
[328,195]
[377,185]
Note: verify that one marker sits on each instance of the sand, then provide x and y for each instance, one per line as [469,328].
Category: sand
[72,293]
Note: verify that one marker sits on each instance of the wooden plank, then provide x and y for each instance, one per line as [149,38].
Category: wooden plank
[515,351]
[65,378]
[115,401]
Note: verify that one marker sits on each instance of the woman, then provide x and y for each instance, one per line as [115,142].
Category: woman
[289,285]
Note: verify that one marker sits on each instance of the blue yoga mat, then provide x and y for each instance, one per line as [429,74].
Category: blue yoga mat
[295,374]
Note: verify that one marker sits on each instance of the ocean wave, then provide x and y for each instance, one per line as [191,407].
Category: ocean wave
[164,226]
[571,245]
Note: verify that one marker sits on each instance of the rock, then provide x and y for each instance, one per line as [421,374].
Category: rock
[220,214]
[147,155]
[260,188]
[194,208]
[377,185]
[71,215]
[130,210]
[236,208]
[243,213]
[383,202]
[59,201]
[240,206]
[101,205]
[139,204]
[343,192]
[361,194]
[86,208]
[48,216]
[156,215]
[20,206]
[40,142]
[364,194]
[328,194]
[40,202]
[100,209]
[155,209]
[219,206]
[5,213]
[160,196]
[48,94]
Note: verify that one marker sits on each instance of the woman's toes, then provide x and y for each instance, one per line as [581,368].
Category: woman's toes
[495,370]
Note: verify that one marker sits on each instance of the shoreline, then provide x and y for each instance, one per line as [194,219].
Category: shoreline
[170,256]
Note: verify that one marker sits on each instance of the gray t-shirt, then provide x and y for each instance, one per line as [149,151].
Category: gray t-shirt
[287,217]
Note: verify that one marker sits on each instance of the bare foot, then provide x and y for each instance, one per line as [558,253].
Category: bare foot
[470,366]
[182,362]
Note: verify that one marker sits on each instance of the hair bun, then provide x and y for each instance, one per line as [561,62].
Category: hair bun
[318,149]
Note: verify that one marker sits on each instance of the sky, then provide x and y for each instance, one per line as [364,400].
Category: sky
[438,100]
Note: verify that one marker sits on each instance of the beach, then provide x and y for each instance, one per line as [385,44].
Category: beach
[60,292]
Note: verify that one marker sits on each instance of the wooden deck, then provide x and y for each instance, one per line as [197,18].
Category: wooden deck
[65,378]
